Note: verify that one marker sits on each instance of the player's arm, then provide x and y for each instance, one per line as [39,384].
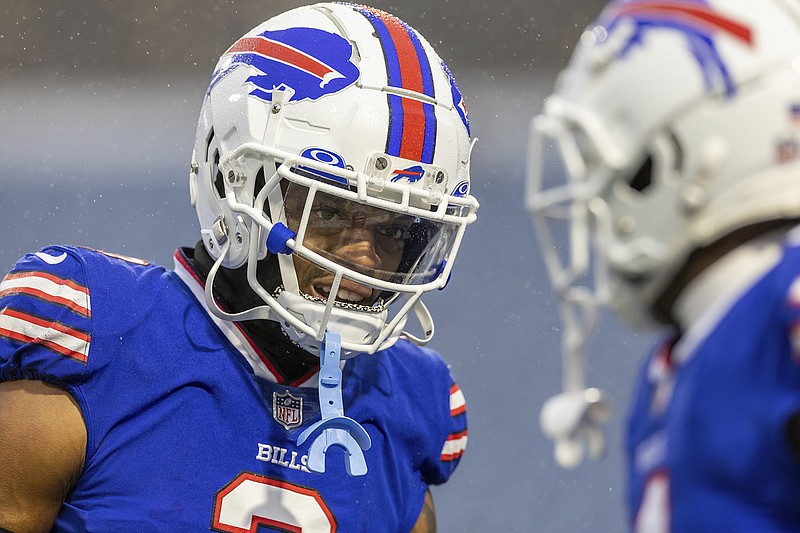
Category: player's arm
[426,523]
[43,443]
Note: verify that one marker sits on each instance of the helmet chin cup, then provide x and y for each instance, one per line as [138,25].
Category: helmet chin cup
[360,331]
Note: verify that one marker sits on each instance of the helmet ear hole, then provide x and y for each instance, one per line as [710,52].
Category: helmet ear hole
[218,179]
[643,178]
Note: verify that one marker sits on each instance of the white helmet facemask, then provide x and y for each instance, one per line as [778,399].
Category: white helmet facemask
[334,236]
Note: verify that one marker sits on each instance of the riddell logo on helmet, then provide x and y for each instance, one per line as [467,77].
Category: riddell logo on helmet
[307,62]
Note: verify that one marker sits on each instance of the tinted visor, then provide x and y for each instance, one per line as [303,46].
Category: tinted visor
[379,243]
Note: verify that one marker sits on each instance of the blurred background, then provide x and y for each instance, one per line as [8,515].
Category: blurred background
[98,107]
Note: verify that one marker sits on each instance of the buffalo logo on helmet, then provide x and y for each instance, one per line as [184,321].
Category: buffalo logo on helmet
[694,19]
[308,63]
[412,174]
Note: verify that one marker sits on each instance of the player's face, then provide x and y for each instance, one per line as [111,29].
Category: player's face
[366,239]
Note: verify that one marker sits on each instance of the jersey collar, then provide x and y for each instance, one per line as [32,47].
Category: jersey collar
[709,297]
[259,364]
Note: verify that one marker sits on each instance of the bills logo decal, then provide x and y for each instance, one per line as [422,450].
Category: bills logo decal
[412,174]
[696,20]
[308,63]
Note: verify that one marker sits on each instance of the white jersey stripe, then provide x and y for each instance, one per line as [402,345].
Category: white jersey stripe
[59,338]
[454,446]
[458,403]
[48,287]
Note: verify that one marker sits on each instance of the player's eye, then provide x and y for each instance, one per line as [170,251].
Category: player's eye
[393,232]
[327,213]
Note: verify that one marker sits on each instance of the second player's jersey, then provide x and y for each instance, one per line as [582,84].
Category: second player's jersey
[188,429]
[707,444]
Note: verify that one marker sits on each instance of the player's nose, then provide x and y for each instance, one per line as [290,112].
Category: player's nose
[358,244]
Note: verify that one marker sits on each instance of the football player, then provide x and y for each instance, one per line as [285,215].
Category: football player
[330,176]
[670,145]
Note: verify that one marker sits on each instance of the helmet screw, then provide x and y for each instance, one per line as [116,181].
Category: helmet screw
[239,238]
[626,224]
[276,108]
[231,176]
[440,177]
[381,163]
[194,168]
[694,197]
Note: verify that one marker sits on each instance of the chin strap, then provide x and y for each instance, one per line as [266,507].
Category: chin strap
[335,428]
[426,321]
[575,418]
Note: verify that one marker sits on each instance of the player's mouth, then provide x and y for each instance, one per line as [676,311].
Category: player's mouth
[349,291]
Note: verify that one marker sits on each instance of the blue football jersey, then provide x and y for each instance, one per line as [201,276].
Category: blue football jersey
[707,433]
[188,427]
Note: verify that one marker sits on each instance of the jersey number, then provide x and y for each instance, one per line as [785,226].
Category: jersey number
[251,500]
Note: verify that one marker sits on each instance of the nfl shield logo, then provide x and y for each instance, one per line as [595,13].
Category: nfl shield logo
[287,410]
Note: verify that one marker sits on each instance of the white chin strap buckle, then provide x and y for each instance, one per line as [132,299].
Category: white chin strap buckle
[574,421]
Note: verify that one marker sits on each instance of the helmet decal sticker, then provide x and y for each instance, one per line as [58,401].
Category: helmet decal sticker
[461,189]
[412,174]
[695,19]
[458,98]
[412,123]
[308,62]
[323,156]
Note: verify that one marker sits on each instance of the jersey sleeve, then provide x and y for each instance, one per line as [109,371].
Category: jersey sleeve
[45,318]
[451,415]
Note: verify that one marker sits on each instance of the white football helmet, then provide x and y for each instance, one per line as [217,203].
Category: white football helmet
[333,145]
[675,124]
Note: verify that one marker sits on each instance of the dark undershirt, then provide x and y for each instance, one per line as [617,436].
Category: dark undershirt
[235,295]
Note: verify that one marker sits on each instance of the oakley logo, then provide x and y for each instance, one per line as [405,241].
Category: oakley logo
[322,156]
[461,190]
